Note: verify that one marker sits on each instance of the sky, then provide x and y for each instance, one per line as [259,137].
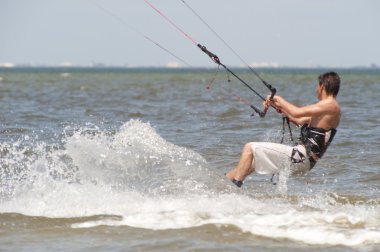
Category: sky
[295,33]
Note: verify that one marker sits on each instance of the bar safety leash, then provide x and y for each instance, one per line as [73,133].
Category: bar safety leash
[272,89]
[216,59]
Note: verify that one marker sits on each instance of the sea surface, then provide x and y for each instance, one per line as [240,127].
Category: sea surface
[120,159]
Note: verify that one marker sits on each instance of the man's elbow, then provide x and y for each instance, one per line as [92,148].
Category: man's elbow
[296,113]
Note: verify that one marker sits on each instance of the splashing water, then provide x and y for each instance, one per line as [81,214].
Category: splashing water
[135,158]
[150,183]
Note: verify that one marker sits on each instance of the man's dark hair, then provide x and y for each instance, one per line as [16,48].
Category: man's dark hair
[331,81]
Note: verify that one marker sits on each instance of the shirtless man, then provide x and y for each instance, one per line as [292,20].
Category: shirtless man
[319,121]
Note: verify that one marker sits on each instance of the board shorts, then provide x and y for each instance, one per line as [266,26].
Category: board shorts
[272,158]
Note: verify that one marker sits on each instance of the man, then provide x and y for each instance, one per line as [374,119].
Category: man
[319,121]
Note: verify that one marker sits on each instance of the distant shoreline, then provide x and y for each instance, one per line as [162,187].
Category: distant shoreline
[73,69]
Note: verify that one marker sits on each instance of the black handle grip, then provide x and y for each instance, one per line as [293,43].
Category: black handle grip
[210,54]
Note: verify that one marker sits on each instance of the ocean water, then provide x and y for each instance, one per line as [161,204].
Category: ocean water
[133,160]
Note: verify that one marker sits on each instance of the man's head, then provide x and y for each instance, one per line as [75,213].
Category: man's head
[331,82]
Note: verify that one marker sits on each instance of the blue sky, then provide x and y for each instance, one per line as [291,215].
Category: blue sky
[339,33]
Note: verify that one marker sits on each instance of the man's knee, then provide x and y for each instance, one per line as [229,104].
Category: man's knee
[247,149]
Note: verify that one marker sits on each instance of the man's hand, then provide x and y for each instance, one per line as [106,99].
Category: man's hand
[266,104]
[269,102]
[273,102]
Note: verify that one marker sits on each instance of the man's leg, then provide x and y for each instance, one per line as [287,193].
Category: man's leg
[244,167]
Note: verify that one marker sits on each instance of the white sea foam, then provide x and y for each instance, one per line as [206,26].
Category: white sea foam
[346,225]
[153,184]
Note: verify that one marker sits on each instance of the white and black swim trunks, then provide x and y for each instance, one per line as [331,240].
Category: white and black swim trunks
[270,158]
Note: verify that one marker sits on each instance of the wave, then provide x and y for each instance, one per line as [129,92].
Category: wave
[133,177]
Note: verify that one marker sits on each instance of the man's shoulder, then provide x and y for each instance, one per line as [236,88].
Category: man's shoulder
[331,103]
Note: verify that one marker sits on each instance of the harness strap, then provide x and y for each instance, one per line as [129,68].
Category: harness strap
[286,119]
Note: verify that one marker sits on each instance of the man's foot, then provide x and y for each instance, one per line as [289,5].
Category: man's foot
[237,182]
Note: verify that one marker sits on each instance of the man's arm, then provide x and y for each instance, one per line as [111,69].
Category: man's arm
[300,121]
[301,114]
